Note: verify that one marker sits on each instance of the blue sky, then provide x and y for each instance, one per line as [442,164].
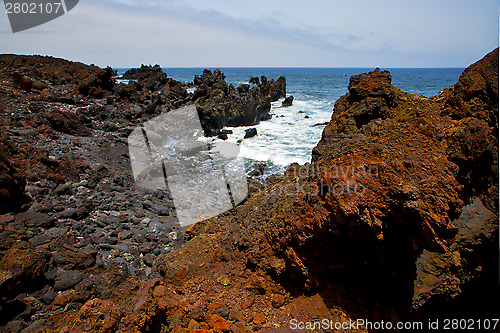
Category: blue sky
[265,33]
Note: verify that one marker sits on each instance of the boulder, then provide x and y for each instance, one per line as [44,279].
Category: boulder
[22,268]
[287,102]
[67,123]
[97,84]
[250,133]
[220,105]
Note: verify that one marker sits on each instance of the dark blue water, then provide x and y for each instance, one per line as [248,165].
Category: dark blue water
[330,83]
[291,134]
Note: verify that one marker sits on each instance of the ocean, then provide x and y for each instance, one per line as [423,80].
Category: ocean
[293,132]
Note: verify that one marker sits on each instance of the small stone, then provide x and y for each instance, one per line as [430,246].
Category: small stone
[114,213]
[67,279]
[48,297]
[147,247]
[83,183]
[247,303]
[63,189]
[239,327]
[62,299]
[218,323]
[33,219]
[224,280]
[204,326]
[40,239]
[149,259]
[278,301]
[193,325]
[259,319]
[69,213]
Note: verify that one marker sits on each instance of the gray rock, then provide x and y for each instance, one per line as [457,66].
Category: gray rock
[135,220]
[157,227]
[33,219]
[149,259]
[63,189]
[67,279]
[69,213]
[48,297]
[40,239]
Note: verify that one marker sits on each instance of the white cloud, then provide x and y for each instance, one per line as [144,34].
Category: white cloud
[266,33]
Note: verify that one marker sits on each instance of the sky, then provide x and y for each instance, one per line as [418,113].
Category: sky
[265,33]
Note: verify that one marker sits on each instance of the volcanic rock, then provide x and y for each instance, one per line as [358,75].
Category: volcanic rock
[287,102]
[220,105]
[250,133]
[11,182]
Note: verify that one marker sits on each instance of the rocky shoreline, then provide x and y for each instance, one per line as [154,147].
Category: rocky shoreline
[394,219]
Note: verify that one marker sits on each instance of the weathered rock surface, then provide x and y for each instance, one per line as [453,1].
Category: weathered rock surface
[11,182]
[250,133]
[287,102]
[381,223]
[220,105]
[395,218]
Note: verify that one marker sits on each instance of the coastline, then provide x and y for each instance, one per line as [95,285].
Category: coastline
[97,254]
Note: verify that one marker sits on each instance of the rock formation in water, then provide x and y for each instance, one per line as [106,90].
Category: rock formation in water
[220,104]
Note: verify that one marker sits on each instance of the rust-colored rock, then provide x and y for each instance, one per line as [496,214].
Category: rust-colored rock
[22,268]
[394,218]
[259,319]
[219,324]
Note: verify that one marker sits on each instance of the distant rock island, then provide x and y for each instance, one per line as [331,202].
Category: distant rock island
[395,219]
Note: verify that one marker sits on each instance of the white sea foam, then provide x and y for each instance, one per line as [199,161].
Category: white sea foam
[287,138]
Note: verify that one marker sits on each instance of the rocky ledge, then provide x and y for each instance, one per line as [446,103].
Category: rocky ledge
[395,219]
[220,104]
[73,225]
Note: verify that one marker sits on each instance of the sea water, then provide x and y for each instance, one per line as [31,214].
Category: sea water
[292,132]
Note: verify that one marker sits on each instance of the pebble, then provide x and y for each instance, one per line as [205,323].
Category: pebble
[278,301]
[149,259]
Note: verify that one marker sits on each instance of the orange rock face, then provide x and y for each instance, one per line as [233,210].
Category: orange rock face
[395,218]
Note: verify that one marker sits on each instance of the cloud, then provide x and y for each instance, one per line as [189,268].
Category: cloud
[267,33]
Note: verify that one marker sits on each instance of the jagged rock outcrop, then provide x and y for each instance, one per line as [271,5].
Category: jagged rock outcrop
[382,215]
[220,105]
[287,102]
[151,77]
[395,218]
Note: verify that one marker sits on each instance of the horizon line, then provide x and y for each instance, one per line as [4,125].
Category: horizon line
[288,67]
